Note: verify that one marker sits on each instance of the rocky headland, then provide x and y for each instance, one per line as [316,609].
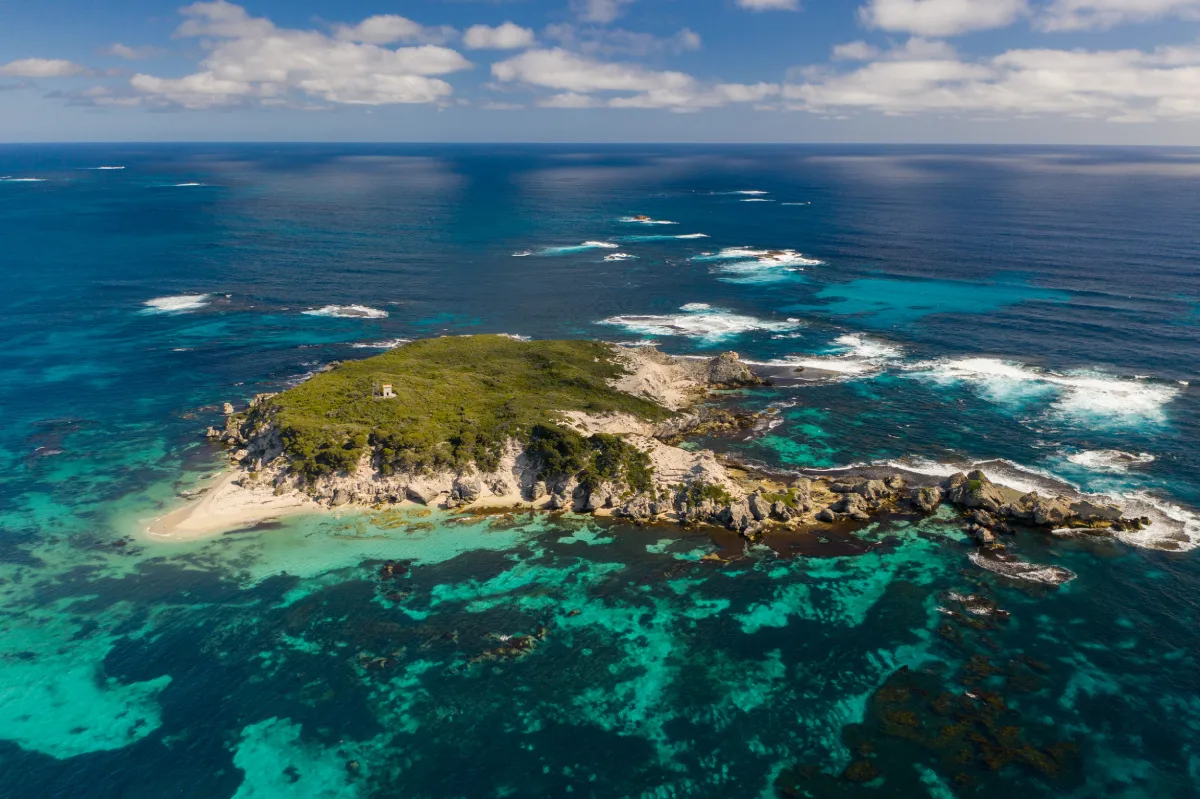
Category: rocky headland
[488,422]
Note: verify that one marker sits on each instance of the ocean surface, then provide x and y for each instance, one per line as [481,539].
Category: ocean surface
[1036,309]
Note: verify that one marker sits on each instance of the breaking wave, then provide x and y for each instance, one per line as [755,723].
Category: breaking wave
[1109,460]
[645,220]
[851,356]
[699,321]
[348,312]
[387,344]
[620,256]
[583,247]
[665,238]
[178,303]
[22,180]
[1081,396]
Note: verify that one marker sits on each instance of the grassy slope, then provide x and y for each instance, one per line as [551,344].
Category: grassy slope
[458,399]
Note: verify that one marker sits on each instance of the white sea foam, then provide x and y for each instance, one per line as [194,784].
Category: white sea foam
[764,257]
[348,312]
[22,180]
[1083,395]
[1109,460]
[752,192]
[645,220]
[666,238]
[757,200]
[807,203]
[853,356]
[105,168]
[517,337]
[620,256]
[698,320]
[1171,528]
[387,344]
[185,185]
[178,303]
[574,248]
[1022,570]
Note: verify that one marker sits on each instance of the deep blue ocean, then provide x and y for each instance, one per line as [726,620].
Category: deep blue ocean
[1036,309]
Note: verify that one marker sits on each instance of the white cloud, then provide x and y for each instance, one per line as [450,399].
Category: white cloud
[854,51]
[131,53]
[596,41]
[503,37]
[1115,85]
[391,29]
[770,5]
[578,78]
[251,60]
[1066,15]
[941,17]
[602,11]
[41,68]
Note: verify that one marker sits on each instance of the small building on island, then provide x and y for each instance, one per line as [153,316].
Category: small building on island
[386,391]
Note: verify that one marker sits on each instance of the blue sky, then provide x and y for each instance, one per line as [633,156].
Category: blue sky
[1040,71]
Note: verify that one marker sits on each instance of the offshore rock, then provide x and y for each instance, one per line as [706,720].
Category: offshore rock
[927,499]
[227,409]
[974,490]
[728,370]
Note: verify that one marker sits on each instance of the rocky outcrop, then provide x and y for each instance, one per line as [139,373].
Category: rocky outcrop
[927,499]
[974,490]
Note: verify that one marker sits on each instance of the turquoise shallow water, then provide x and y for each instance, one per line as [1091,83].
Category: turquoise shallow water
[1034,307]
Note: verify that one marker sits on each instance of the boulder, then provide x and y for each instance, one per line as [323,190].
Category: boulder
[227,409]
[927,499]
[213,432]
[598,497]
[895,483]
[781,512]
[873,490]
[557,502]
[828,515]
[340,497]
[760,509]
[801,488]
[467,489]
[974,490]
[538,490]
[727,369]
[640,507]
[240,455]
[736,516]
[853,505]
[1051,512]
[424,492]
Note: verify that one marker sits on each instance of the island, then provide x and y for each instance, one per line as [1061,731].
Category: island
[492,422]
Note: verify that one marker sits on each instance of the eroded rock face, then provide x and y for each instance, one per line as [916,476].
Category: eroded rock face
[927,499]
[802,489]
[781,512]
[737,516]
[728,370]
[974,490]
[760,509]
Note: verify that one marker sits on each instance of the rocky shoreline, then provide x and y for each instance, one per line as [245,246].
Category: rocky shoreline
[686,487]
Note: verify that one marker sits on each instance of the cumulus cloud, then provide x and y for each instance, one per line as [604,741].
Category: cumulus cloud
[251,60]
[508,36]
[770,5]
[577,80]
[1116,85]
[602,11]
[131,53]
[854,51]
[41,68]
[391,29]
[1067,15]
[938,18]
[600,41]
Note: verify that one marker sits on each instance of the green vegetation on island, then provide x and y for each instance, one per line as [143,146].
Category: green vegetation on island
[456,401]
